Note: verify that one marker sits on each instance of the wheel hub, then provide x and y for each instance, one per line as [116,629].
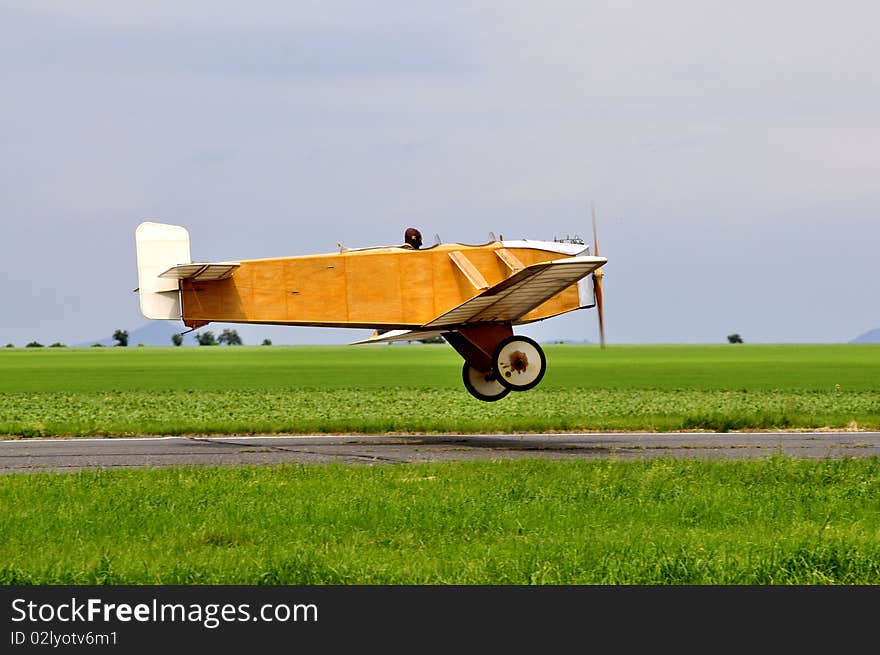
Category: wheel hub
[519,362]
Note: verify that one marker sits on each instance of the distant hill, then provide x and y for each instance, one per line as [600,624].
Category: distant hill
[872,336]
[154,333]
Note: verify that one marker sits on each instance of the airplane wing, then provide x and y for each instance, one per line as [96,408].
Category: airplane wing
[519,294]
[400,335]
[201,272]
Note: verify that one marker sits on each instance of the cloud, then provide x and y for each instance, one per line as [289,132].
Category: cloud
[280,128]
[295,47]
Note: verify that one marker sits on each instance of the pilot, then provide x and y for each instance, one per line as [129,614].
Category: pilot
[412,238]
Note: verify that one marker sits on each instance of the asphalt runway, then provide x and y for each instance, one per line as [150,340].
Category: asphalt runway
[32,455]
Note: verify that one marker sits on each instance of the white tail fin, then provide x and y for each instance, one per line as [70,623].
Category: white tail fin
[159,247]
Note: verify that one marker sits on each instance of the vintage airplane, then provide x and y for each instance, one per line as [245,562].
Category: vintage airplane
[470,295]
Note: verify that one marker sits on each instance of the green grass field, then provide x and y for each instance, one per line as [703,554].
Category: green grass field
[773,521]
[373,389]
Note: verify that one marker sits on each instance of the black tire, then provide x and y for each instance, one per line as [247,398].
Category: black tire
[467,373]
[508,370]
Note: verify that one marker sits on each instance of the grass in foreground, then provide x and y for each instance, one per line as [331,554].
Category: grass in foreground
[774,521]
[426,411]
[125,391]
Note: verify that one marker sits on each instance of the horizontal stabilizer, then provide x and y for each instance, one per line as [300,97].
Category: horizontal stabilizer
[511,299]
[201,272]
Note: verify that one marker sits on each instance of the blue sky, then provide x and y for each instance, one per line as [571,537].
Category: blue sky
[731,151]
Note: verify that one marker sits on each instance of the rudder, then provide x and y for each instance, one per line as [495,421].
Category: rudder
[159,247]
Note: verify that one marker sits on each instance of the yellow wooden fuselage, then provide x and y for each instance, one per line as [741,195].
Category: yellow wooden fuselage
[385,287]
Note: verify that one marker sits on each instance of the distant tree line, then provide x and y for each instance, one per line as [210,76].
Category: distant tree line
[227,337]
[207,338]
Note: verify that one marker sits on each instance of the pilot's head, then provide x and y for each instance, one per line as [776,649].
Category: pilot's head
[413,237]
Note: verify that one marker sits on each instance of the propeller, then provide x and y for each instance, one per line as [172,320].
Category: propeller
[597,282]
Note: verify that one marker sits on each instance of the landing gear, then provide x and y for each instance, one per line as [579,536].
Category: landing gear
[520,363]
[482,386]
[496,360]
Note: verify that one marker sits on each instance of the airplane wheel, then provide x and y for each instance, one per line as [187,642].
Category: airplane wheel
[520,363]
[482,386]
